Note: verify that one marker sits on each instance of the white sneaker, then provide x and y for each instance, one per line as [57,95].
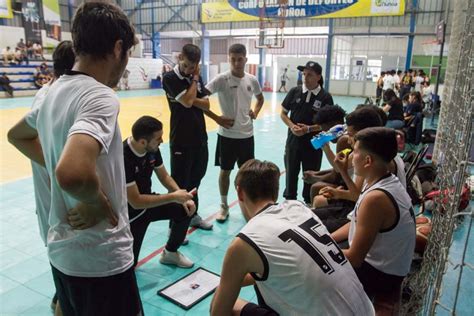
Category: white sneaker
[198,222]
[176,259]
[223,213]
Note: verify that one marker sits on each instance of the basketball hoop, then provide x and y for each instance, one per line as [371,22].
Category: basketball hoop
[271,31]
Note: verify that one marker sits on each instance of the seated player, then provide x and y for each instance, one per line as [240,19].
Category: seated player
[382,228]
[327,117]
[287,253]
[334,204]
[142,157]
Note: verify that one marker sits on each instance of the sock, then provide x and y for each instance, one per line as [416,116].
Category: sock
[224,199]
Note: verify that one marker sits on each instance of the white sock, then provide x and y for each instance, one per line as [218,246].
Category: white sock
[224,199]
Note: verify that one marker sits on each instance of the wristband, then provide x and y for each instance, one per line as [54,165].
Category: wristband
[309,130]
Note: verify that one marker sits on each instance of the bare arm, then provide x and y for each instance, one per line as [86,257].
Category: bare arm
[141,201]
[258,106]
[26,140]
[79,179]
[342,233]
[165,179]
[219,119]
[189,97]
[286,119]
[239,260]
[202,104]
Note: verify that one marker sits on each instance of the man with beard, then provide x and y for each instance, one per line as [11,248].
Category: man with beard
[142,157]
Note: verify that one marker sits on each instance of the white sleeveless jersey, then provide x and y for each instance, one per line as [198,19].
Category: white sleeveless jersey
[393,248]
[305,271]
[400,172]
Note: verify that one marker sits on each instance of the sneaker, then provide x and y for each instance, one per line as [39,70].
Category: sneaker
[223,213]
[198,222]
[176,259]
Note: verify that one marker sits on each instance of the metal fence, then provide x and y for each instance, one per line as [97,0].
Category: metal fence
[452,148]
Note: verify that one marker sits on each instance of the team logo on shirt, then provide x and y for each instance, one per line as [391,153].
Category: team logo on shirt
[317,105]
[136,169]
[249,88]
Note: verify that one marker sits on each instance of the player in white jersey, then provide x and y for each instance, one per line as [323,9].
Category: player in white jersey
[235,89]
[288,254]
[382,228]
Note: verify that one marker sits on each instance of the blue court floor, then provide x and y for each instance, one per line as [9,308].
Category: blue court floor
[26,285]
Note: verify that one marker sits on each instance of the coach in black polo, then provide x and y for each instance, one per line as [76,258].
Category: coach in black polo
[187,99]
[302,104]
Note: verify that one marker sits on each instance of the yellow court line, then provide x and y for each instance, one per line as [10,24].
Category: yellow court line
[14,166]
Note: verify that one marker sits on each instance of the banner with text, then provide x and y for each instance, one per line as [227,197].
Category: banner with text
[6,9]
[52,21]
[31,20]
[253,10]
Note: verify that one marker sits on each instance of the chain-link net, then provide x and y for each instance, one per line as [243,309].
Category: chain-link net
[453,144]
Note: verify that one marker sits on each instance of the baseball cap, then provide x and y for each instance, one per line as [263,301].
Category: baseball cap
[313,66]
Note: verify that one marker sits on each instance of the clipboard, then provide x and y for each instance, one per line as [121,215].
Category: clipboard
[191,289]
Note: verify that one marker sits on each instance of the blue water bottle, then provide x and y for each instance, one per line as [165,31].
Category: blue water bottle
[323,138]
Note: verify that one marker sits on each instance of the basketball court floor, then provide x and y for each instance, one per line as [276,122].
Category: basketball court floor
[26,285]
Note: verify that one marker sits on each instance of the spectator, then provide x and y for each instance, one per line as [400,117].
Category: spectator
[20,56]
[8,55]
[38,50]
[426,92]
[29,49]
[394,109]
[21,45]
[5,85]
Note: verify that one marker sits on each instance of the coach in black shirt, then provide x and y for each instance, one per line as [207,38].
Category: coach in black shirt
[142,158]
[188,100]
[302,103]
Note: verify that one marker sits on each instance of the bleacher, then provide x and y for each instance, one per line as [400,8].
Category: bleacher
[22,77]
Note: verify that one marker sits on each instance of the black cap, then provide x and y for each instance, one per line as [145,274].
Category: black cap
[314,66]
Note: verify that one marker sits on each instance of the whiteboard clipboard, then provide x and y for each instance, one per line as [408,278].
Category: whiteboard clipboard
[192,288]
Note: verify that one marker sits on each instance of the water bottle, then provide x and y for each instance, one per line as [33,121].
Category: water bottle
[323,138]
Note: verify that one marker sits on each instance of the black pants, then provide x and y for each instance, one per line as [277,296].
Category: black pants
[404,90]
[334,216]
[179,226]
[188,167]
[297,156]
[7,88]
[377,282]
[115,295]
[378,95]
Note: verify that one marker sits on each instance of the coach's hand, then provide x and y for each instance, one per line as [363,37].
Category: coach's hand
[225,122]
[297,130]
[190,207]
[253,115]
[181,196]
[86,215]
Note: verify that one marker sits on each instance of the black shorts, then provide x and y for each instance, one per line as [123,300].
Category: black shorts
[113,295]
[376,282]
[231,150]
[252,309]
